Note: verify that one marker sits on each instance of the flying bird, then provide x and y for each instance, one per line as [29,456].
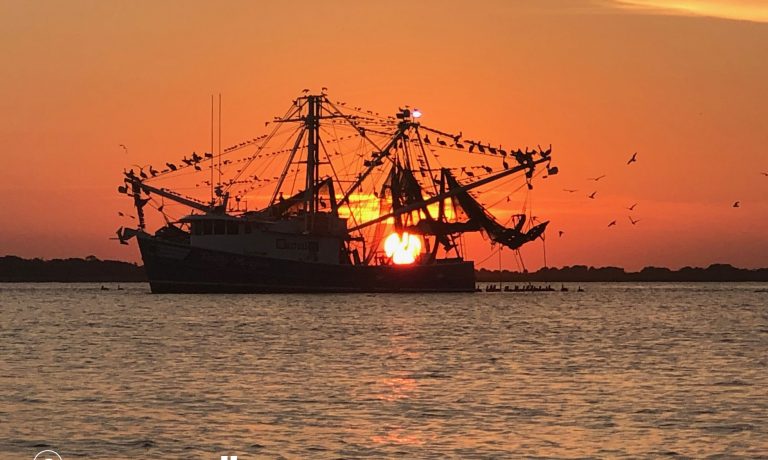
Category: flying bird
[125,149]
[613,222]
[560,233]
[764,174]
[633,159]
[632,208]
[592,195]
[633,221]
[596,178]
[736,204]
[570,190]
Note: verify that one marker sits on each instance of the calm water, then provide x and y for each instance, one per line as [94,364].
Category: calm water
[621,370]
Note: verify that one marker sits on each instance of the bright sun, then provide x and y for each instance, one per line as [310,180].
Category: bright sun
[402,250]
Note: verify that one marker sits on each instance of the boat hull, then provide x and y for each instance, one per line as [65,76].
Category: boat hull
[180,268]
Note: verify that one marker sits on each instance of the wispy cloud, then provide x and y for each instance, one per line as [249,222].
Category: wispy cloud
[739,10]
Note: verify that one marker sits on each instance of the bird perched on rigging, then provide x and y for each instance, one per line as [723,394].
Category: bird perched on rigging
[633,159]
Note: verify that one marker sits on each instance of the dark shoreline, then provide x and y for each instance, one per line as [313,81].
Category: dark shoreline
[716,273]
[17,270]
[91,269]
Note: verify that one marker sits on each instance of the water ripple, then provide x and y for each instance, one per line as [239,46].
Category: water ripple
[619,371]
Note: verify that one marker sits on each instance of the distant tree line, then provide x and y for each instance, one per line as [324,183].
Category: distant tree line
[582,273]
[90,269]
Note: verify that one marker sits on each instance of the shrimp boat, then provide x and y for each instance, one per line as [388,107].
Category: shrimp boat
[332,198]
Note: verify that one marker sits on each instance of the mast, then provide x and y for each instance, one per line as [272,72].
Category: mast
[312,124]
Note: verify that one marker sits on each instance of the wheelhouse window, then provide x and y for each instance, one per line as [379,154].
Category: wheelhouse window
[232,227]
[219,227]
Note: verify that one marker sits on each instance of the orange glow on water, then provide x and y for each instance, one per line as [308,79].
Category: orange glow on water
[402,249]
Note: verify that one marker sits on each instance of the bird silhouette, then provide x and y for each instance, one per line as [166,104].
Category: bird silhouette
[613,222]
[125,149]
[426,139]
[596,178]
[171,166]
[736,204]
[633,159]
[570,190]
[560,233]
[633,221]
[632,208]
[592,195]
[764,174]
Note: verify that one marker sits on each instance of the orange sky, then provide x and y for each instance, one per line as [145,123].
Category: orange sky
[681,82]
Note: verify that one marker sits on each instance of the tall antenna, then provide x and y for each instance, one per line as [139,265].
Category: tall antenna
[212,200]
[219,138]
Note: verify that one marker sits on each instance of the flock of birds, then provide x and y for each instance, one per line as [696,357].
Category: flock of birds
[593,196]
[631,208]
